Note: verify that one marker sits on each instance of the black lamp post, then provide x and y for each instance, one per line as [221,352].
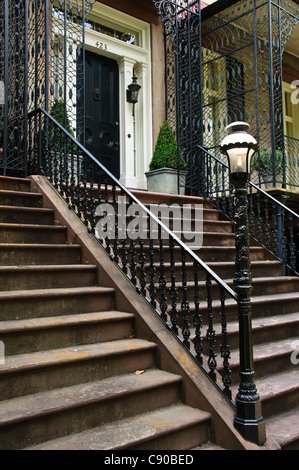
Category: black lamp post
[239,147]
[133,93]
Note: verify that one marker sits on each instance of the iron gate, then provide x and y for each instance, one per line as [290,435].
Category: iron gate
[224,63]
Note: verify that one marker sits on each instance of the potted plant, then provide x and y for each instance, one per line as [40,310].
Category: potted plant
[165,164]
[263,163]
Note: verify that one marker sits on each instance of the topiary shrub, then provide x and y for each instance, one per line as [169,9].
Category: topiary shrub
[166,150]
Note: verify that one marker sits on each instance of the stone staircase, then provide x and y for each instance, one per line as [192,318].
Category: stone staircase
[75,376]
[78,376]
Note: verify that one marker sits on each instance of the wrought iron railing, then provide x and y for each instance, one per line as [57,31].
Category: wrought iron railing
[271,224]
[187,295]
[291,146]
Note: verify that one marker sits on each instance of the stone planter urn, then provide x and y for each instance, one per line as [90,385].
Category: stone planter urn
[165,180]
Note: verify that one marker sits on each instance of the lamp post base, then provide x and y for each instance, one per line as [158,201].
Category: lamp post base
[249,422]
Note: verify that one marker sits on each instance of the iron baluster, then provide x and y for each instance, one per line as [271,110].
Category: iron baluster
[266,224]
[185,307]
[162,278]
[123,227]
[291,245]
[211,334]
[152,274]
[197,318]
[225,348]
[142,263]
[132,250]
[259,220]
[115,242]
[173,290]
[275,230]
[92,206]
[106,199]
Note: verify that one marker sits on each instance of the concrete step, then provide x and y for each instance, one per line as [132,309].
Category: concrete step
[20,198]
[31,373]
[27,233]
[37,334]
[177,427]
[36,303]
[33,419]
[19,254]
[47,276]
[26,215]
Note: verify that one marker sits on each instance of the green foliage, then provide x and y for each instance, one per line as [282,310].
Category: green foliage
[57,112]
[166,150]
[57,139]
[263,161]
[1,136]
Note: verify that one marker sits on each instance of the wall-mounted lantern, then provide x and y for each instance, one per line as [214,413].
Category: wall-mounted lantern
[133,93]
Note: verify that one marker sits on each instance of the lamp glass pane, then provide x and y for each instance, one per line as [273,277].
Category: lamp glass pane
[238,160]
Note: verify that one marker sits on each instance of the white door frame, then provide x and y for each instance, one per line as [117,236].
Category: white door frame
[135,139]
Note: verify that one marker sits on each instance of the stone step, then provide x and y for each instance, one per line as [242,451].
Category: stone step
[268,358]
[264,330]
[47,276]
[225,270]
[20,198]
[284,428]
[208,254]
[37,334]
[17,305]
[26,215]
[262,306]
[8,183]
[279,392]
[261,286]
[33,419]
[198,239]
[27,233]
[177,427]
[14,254]
[31,373]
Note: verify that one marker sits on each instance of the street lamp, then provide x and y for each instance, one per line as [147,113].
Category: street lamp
[239,147]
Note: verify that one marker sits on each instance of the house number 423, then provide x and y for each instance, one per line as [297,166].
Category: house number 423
[101,45]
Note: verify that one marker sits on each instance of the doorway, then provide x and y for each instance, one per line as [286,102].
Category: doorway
[102,110]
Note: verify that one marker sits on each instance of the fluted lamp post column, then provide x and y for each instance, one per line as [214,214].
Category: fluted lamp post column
[239,147]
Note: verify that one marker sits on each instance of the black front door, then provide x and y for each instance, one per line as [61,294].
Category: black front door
[102,110]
